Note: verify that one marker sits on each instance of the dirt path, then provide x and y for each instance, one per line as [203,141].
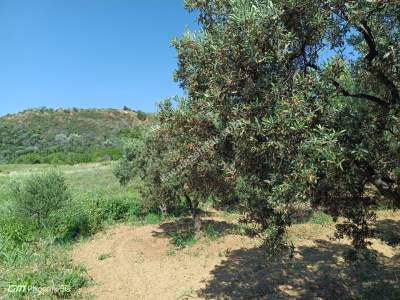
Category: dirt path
[139,263]
[144,266]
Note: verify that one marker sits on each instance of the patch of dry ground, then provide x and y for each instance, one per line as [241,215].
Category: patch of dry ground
[139,263]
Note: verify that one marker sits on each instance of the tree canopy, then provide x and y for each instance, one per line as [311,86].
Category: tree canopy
[288,103]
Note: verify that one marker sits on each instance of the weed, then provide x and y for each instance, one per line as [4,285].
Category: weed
[245,229]
[186,294]
[211,233]
[104,256]
[196,252]
[170,252]
[183,239]
[34,255]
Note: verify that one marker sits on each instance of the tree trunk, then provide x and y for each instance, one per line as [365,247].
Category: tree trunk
[193,206]
[164,209]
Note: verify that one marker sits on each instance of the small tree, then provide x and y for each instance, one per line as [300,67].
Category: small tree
[168,164]
[124,169]
[38,196]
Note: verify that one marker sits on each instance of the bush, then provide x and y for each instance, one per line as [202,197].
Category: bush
[38,196]
[141,115]
[87,214]
[320,218]
[123,171]
[30,158]
[182,239]
[14,229]
[70,158]
[75,222]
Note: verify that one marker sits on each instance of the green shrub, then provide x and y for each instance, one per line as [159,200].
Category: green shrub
[118,208]
[36,197]
[30,158]
[151,218]
[86,214]
[136,132]
[182,239]
[14,229]
[75,222]
[211,233]
[141,115]
[123,171]
[68,157]
[320,218]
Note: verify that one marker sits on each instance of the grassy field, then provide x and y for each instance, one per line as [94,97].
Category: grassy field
[102,250]
[38,264]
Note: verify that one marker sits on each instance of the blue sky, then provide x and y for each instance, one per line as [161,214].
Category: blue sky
[88,53]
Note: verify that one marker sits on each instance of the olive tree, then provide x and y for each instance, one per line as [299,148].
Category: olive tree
[174,163]
[313,90]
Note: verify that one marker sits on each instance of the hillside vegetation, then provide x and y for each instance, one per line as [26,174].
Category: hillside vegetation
[67,135]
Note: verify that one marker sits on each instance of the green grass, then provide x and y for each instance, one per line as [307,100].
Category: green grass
[182,239]
[150,219]
[34,262]
[41,270]
[170,252]
[104,256]
[211,233]
[320,218]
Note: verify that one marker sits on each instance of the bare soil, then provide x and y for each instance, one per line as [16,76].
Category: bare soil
[138,262]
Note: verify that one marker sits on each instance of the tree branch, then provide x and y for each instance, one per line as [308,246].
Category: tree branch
[364,29]
[346,93]
[366,32]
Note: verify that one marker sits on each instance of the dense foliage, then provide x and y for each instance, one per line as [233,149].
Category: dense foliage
[289,103]
[66,135]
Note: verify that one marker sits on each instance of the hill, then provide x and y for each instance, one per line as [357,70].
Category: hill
[47,135]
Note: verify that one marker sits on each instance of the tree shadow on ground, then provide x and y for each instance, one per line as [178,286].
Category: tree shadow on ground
[185,225]
[388,231]
[317,271]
